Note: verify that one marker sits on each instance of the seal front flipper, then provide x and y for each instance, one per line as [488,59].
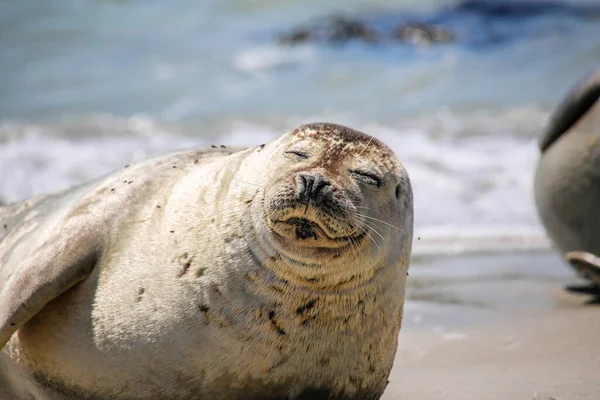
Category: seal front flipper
[61,262]
[586,264]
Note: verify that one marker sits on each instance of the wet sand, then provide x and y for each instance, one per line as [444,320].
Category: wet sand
[497,327]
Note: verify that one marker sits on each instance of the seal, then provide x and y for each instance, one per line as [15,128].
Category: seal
[274,272]
[567,180]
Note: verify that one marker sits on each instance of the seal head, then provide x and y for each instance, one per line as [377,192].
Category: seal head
[336,193]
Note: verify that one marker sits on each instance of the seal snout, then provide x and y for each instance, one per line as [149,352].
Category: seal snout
[311,205]
[312,188]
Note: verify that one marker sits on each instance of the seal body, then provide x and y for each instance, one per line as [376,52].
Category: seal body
[567,181]
[275,272]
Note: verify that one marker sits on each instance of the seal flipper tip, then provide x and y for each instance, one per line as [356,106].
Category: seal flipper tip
[586,264]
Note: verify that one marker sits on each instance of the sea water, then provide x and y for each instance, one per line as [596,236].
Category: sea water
[92,85]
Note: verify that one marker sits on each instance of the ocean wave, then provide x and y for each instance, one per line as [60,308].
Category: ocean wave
[471,174]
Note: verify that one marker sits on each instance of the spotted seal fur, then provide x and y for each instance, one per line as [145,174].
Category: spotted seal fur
[273,272]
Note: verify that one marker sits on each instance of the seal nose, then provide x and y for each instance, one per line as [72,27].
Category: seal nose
[311,187]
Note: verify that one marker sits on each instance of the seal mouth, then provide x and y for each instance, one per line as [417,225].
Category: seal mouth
[305,229]
[302,229]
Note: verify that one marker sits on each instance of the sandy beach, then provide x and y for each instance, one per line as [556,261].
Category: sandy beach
[507,330]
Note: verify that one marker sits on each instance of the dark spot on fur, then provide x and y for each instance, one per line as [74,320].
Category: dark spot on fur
[127,166]
[305,321]
[324,361]
[130,182]
[275,288]
[303,308]
[195,161]
[112,190]
[186,267]
[174,166]
[5,226]
[262,146]
[277,364]
[222,146]
[213,146]
[12,324]
[325,129]
[185,260]
[205,309]
[418,238]
[140,293]
[199,272]
[248,201]
[275,324]
[172,231]
[157,206]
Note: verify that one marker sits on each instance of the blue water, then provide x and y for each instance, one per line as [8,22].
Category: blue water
[90,85]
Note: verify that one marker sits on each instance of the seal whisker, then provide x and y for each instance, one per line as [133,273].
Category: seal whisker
[378,220]
[353,246]
[376,231]
[371,237]
[247,183]
[373,218]
[366,208]
[365,148]
[369,227]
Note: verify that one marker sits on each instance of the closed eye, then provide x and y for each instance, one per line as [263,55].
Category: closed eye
[296,153]
[367,177]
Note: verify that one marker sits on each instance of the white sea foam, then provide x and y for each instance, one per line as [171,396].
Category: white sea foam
[265,58]
[472,176]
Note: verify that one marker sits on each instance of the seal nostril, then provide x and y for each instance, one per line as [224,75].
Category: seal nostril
[319,184]
[311,187]
[301,186]
[398,192]
[310,183]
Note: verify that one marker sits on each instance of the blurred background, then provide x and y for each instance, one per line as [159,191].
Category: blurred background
[92,85]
